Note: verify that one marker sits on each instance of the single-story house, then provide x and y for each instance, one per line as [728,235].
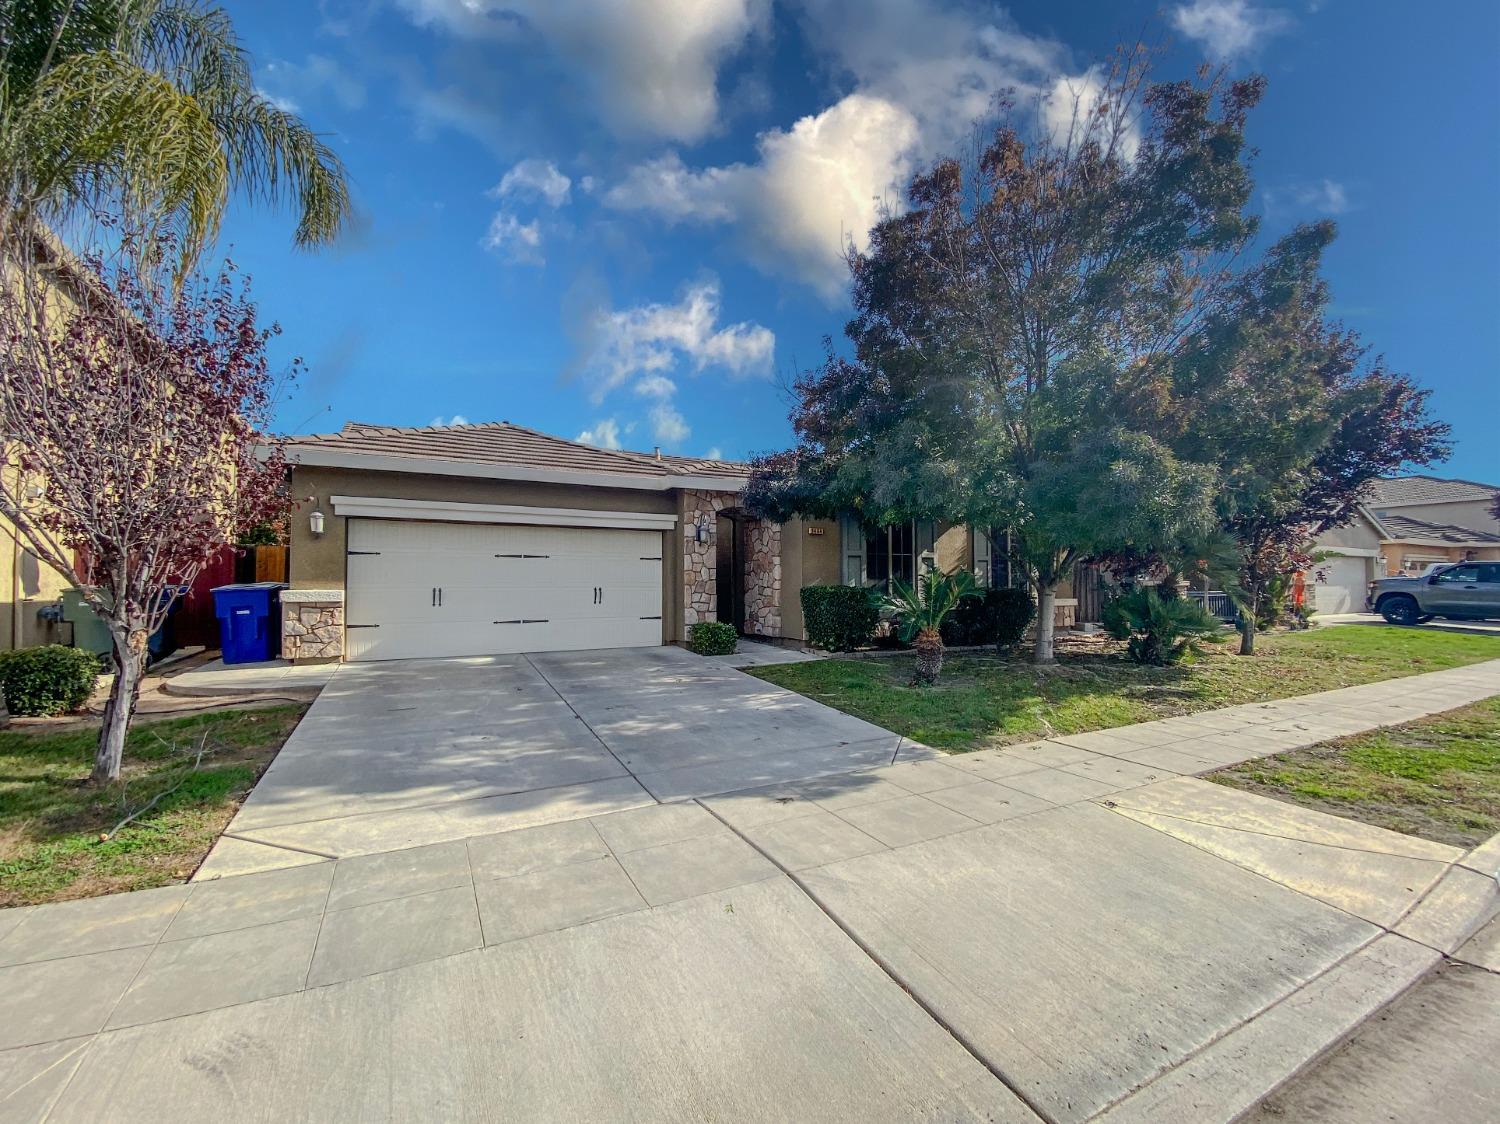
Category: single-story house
[493,538]
[1382,543]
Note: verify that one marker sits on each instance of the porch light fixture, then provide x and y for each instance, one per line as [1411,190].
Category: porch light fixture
[315,523]
[700,532]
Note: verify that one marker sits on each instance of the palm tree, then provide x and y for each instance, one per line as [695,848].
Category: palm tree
[920,611]
[148,107]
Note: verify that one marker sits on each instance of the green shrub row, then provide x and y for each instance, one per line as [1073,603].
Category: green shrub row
[54,679]
[996,616]
[839,618]
[712,638]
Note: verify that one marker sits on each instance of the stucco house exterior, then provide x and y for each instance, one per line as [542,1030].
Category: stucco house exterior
[492,538]
[1407,524]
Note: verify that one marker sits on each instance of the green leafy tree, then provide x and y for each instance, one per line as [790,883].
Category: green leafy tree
[148,108]
[1008,320]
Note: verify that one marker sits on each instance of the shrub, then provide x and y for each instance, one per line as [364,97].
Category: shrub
[838,618]
[49,680]
[920,610]
[1159,630]
[712,638]
[998,616]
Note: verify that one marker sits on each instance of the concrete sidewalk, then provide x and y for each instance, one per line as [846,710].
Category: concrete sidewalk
[1064,931]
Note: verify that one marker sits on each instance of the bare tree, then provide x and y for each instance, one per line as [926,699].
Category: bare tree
[133,411]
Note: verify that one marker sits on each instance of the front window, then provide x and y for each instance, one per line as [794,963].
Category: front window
[887,554]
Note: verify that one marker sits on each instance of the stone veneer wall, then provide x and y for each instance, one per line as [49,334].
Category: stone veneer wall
[312,624]
[700,591]
[763,580]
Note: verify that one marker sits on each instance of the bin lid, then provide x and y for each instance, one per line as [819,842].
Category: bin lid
[250,585]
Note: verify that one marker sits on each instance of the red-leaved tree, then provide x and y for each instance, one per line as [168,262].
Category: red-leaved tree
[134,412]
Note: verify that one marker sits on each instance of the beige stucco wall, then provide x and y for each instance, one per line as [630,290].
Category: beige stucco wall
[1358,534]
[319,562]
[1473,514]
[26,584]
[1396,554]
[951,547]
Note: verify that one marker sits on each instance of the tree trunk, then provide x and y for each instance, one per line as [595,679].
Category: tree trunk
[929,645]
[130,668]
[1046,622]
[1247,635]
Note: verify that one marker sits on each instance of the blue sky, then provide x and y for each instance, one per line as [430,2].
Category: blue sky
[622,218]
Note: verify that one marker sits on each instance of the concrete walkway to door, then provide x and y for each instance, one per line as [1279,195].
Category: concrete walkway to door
[414,752]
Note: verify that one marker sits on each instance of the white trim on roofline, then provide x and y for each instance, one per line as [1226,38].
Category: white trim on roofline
[1351,551]
[376,462]
[441,511]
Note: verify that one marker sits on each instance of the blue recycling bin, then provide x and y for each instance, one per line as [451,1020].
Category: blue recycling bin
[248,625]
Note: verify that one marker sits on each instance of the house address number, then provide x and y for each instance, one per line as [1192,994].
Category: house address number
[815,530]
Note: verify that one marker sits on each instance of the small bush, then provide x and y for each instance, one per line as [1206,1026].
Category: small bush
[998,616]
[51,680]
[712,638]
[1159,630]
[839,618]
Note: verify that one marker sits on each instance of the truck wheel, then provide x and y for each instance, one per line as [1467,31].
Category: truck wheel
[1400,609]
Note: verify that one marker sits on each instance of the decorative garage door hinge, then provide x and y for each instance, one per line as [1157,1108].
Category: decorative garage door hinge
[362,552]
[361,626]
[651,618]
[521,621]
[523,556]
[651,558]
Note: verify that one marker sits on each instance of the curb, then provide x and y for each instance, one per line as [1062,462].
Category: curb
[1233,1075]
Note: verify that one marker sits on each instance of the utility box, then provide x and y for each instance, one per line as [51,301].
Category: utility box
[249,625]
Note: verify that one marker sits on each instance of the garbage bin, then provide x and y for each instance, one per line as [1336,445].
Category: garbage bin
[248,626]
[89,632]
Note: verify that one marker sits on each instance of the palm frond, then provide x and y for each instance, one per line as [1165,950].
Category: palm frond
[98,129]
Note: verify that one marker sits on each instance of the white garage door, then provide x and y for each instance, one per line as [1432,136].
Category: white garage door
[1344,584]
[418,589]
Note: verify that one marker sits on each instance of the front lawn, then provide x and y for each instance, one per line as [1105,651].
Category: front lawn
[983,700]
[51,819]
[1438,778]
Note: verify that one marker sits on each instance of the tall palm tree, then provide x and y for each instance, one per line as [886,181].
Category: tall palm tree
[149,106]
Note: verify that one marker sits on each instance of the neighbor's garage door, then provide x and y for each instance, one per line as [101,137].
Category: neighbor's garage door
[460,589]
[1343,585]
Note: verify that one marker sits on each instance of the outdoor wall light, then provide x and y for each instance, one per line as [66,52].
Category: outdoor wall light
[700,532]
[315,523]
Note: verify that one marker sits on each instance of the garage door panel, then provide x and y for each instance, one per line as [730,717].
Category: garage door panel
[502,588]
[1342,585]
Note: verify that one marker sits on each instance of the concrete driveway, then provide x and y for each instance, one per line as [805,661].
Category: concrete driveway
[414,752]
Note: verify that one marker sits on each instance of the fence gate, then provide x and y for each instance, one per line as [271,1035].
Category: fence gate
[1088,588]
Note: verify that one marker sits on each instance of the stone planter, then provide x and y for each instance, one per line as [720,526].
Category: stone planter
[312,625]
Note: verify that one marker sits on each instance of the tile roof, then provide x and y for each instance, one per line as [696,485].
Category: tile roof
[1402,528]
[1399,490]
[501,443]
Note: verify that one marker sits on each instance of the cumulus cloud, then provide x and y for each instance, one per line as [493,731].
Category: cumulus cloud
[668,426]
[534,178]
[290,84]
[655,386]
[515,241]
[442,423]
[1228,29]
[815,185]
[714,454]
[652,65]
[604,434]
[1068,116]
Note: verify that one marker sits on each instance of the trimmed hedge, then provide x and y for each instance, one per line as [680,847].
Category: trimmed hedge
[54,679]
[838,618]
[998,617]
[712,638]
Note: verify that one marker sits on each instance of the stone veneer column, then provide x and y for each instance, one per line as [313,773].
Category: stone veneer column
[700,591]
[312,624]
[763,580]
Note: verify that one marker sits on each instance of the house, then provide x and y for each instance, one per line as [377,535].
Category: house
[493,538]
[1405,525]
[28,586]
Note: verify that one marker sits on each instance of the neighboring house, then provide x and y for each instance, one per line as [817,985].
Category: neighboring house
[27,587]
[479,539]
[1407,524]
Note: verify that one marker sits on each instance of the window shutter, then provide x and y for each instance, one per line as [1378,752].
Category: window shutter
[980,554]
[853,537]
[926,536]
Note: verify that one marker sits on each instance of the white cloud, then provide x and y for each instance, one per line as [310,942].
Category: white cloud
[515,241]
[294,83]
[714,454]
[652,65]
[1323,197]
[604,434]
[1069,114]
[534,178]
[669,427]
[655,386]
[456,419]
[645,342]
[816,185]
[1228,29]
[922,73]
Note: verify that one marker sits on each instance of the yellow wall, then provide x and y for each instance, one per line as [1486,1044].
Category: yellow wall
[26,584]
[1396,554]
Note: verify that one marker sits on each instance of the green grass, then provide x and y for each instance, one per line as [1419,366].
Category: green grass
[1438,778]
[983,700]
[51,819]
